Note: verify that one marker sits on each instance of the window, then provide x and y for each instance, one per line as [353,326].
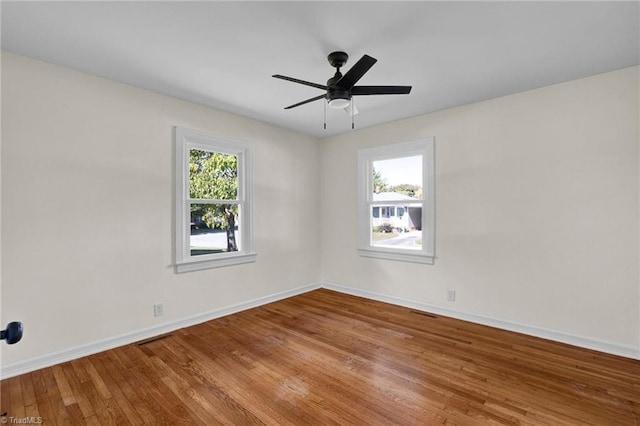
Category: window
[213,201]
[396,185]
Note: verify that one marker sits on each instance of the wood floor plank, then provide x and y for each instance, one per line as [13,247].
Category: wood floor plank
[81,397]
[57,414]
[332,359]
[5,396]
[116,390]
[17,403]
[44,409]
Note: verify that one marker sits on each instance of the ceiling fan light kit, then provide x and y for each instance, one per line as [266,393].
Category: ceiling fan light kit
[339,103]
[341,88]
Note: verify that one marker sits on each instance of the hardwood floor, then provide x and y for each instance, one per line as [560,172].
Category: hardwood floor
[328,358]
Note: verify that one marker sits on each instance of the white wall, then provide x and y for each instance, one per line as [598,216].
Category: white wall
[536,210]
[536,200]
[87,210]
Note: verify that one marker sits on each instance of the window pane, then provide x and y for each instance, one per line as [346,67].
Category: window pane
[399,224]
[396,199]
[213,175]
[401,232]
[397,178]
[214,228]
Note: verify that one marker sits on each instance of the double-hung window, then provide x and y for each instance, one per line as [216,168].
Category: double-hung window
[396,215]
[214,201]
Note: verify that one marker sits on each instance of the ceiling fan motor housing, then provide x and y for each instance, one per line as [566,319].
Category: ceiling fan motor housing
[337,92]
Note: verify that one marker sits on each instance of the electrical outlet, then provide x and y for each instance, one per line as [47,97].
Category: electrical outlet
[451,295]
[158,310]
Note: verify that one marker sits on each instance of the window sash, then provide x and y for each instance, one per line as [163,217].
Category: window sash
[366,158]
[186,140]
[239,233]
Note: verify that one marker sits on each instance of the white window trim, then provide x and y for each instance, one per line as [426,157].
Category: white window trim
[185,140]
[366,157]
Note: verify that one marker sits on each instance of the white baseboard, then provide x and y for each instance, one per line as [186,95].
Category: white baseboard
[558,336]
[26,366]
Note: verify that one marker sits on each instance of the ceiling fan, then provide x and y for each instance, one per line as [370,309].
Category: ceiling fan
[340,88]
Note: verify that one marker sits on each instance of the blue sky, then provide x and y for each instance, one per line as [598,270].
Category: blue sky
[401,170]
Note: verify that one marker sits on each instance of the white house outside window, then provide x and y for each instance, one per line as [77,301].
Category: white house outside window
[214,205]
[396,201]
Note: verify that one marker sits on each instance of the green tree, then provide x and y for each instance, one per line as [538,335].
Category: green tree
[214,176]
[379,183]
[407,189]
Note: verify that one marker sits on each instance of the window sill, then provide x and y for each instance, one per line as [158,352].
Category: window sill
[396,255]
[229,260]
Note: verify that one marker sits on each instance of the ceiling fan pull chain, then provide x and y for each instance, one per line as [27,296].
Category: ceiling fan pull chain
[325,114]
[352,110]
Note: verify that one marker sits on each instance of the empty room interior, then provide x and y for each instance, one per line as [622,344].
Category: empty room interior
[342,213]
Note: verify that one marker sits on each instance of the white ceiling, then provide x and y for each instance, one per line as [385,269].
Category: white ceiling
[222,54]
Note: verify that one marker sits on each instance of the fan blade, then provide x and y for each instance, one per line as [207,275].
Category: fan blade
[356,72]
[295,80]
[306,102]
[381,90]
